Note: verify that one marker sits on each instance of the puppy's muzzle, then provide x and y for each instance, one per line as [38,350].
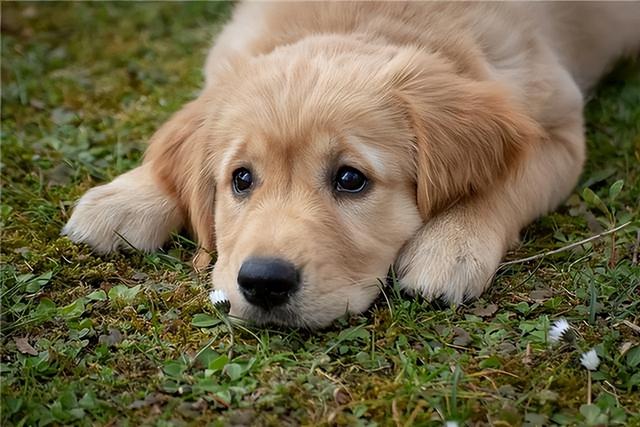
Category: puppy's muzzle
[268,282]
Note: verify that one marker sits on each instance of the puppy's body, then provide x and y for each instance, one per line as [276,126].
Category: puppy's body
[465,118]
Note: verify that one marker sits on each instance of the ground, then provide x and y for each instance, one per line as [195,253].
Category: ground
[131,338]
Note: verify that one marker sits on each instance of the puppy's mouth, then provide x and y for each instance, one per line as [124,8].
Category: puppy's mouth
[282,315]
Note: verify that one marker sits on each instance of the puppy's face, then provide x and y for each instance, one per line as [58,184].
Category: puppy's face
[315,195]
[311,170]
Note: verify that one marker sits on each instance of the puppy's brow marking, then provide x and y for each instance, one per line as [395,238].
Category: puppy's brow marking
[374,157]
[232,152]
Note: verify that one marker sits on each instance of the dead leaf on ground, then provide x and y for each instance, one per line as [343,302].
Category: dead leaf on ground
[115,337]
[486,311]
[462,337]
[139,276]
[506,348]
[540,295]
[24,347]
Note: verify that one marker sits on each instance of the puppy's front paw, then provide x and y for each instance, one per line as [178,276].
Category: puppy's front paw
[452,257]
[131,210]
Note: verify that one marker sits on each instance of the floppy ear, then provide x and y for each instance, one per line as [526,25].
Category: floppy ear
[467,132]
[177,151]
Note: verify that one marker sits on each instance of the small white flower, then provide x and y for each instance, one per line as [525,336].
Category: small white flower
[217,296]
[590,360]
[558,329]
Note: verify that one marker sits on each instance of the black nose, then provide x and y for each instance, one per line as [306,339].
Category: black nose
[268,282]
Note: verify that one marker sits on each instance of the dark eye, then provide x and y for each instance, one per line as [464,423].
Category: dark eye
[242,180]
[350,180]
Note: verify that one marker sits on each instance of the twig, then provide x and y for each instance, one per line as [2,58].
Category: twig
[381,286]
[632,325]
[232,340]
[396,414]
[565,248]
[417,409]
[614,255]
[492,371]
[634,258]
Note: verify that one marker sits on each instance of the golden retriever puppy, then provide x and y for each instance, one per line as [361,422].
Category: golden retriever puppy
[334,140]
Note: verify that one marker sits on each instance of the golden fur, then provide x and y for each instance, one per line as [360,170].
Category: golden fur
[466,119]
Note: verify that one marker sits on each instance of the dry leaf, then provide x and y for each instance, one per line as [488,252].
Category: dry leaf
[462,337]
[139,276]
[540,295]
[487,311]
[506,348]
[24,347]
[115,337]
[626,346]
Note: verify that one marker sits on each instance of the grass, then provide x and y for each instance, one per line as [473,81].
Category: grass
[130,338]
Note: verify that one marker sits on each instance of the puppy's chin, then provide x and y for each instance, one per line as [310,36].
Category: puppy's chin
[285,315]
[314,314]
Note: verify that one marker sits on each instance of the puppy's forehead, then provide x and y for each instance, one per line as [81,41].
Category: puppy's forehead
[262,147]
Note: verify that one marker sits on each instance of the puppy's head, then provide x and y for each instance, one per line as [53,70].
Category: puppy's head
[311,168]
